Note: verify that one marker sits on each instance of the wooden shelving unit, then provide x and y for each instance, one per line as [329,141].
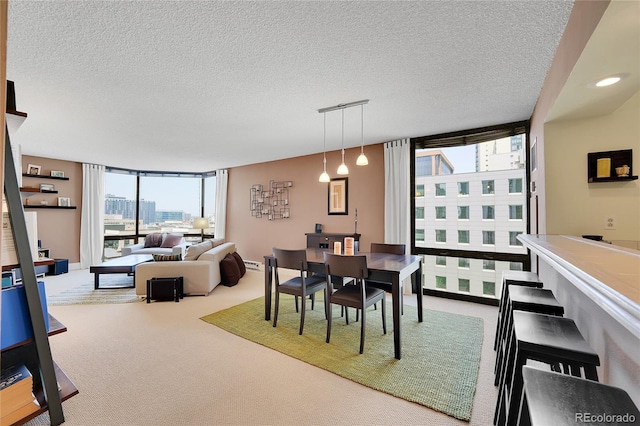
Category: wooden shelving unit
[51,385]
[623,157]
[45,177]
[40,206]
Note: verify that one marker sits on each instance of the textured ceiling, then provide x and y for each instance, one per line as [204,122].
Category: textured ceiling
[196,86]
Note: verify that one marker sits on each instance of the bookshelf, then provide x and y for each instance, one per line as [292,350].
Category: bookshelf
[50,384]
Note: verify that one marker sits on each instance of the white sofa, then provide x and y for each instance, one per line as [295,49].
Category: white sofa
[179,248]
[200,269]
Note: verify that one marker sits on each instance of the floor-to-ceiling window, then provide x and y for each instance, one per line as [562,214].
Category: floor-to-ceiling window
[140,202]
[470,204]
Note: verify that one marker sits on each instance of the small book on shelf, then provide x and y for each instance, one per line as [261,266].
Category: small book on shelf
[16,394]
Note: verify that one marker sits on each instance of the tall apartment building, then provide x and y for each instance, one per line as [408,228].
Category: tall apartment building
[114,205]
[482,211]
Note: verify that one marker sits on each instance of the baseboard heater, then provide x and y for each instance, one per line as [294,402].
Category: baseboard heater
[252,264]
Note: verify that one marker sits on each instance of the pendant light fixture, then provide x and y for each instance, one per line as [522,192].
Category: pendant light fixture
[362,159]
[342,168]
[324,177]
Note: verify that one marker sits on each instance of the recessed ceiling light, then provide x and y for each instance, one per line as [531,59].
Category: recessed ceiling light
[607,81]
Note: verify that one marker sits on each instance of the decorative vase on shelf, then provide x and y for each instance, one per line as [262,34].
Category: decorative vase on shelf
[622,171]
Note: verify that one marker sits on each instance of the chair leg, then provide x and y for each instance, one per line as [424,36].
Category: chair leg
[329,315]
[346,314]
[275,313]
[384,317]
[297,310]
[362,328]
[313,300]
[304,309]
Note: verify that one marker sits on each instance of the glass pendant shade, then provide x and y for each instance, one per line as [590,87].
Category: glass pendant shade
[362,160]
[343,169]
[324,176]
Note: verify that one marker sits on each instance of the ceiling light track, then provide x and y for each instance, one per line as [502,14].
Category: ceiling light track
[343,106]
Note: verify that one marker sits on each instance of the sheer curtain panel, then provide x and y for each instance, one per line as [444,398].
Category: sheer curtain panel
[221,203]
[396,194]
[91,232]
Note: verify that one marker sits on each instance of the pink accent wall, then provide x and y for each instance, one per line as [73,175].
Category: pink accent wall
[255,238]
[59,230]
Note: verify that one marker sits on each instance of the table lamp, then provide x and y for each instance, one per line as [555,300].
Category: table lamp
[201,223]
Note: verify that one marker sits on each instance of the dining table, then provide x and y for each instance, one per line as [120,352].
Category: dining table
[382,267]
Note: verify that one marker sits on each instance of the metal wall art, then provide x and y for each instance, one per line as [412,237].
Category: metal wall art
[272,202]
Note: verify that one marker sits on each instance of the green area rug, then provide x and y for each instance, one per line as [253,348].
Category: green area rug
[85,294]
[440,356]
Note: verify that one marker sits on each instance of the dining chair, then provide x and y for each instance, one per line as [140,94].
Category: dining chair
[391,249]
[301,286]
[358,296]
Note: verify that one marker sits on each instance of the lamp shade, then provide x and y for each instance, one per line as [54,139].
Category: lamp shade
[200,223]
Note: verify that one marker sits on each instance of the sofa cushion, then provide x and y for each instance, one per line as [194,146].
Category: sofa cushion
[215,242]
[194,251]
[171,240]
[240,262]
[229,271]
[166,257]
[153,240]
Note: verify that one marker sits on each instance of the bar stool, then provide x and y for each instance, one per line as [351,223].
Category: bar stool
[527,299]
[509,278]
[556,399]
[543,338]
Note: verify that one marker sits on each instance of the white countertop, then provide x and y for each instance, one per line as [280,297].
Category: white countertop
[608,274]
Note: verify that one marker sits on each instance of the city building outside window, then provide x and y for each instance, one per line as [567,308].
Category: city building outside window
[515,266]
[419,190]
[488,288]
[441,282]
[441,190]
[488,187]
[488,237]
[488,212]
[513,238]
[463,212]
[463,188]
[515,186]
[441,212]
[515,212]
[419,212]
[463,237]
[441,236]
[463,262]
[463,285]
[441,260]
[419,234]
[488,265]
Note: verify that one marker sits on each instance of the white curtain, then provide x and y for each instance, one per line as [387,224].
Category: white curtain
[222,180]
[396,194]
[91,227]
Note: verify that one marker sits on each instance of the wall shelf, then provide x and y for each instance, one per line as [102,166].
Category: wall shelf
[601,166]
[45,177]
[31,191]
[40,206]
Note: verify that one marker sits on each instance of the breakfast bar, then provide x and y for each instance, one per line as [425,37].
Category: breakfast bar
[599,286]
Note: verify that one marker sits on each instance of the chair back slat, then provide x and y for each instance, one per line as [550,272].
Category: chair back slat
[290,259]
[346,266]
[388,248]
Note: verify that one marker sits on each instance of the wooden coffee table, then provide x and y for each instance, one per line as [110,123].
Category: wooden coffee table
[121,265]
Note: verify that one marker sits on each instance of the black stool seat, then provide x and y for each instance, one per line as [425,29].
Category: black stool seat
[549,339]
[512,278]
[528,299]
[557,399]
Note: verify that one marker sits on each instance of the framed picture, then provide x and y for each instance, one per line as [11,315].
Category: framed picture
[32,169]
[338,196]
[47,187]
[57,173]
[64,201]
[534,154]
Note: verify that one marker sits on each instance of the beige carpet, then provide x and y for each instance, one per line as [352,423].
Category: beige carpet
[440,356]
[158,364]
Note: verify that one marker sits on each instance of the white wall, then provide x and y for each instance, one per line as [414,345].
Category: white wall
[575,207]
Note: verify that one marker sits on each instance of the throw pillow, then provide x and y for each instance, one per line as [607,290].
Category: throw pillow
[153,240]
[166,257]
[171,240]
[241,265]
[229,271]
[194,251]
